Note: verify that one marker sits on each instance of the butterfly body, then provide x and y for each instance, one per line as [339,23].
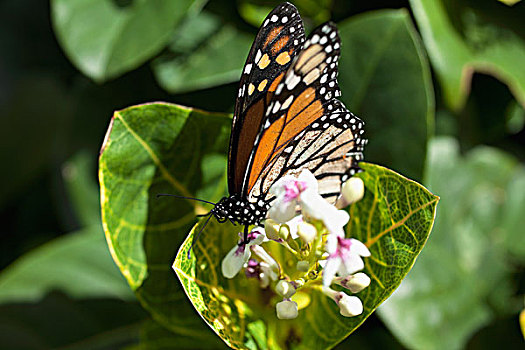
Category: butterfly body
[240,210]
[287,118]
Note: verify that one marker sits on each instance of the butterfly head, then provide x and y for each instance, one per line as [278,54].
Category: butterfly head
[220,210]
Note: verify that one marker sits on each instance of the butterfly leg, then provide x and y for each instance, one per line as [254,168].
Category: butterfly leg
[245,239]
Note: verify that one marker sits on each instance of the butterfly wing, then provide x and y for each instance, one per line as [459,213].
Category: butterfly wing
[305,126]
[279,39]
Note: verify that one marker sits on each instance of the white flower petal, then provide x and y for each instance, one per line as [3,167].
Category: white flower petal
[359,248]
[279,187]
[307,232]
[351,263]
[311,182]
[335,220]
[265,257]
[331,243]
[292,225]
[314,206]
[330,269]
[282,211]
[234,261]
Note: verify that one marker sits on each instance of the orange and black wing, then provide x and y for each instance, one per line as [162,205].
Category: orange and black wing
[305,126]
[280,38]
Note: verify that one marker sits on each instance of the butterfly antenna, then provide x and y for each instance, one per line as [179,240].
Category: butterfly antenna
[196,237]
[183,197]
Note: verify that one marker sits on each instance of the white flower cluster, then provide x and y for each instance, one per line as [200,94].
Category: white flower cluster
[315,237]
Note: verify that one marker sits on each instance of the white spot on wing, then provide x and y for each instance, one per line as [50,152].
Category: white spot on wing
[248,68]
[288,102]
[258,56]
[276,107]
[292,80]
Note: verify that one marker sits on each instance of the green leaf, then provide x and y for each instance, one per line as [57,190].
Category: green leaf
[466,269]
[217,60]
[82,187]
[59,322]
[151,149]
[385,79]
[104,40]
[472,36]
[78,264]
[394,219]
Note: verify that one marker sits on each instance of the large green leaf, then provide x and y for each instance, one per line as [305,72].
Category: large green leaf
[151,149]
[205,53]
[466,36]
[104,40]
[465,272]
[385,79]
[394,219]
[78,264]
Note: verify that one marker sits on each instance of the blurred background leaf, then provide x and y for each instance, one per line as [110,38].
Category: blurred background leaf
[78,264]
[385,79]
[464,278]
[466,36]
[106,38]
[188,67]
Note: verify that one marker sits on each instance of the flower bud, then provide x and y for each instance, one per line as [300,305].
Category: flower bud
[349,305]
[355,283]
[271,227]
[284,289]
[287,310]
[353,190]
[303,266]
[307,232]
[284,232]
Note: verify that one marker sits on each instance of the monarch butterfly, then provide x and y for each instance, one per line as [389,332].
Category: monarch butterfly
[287,118]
